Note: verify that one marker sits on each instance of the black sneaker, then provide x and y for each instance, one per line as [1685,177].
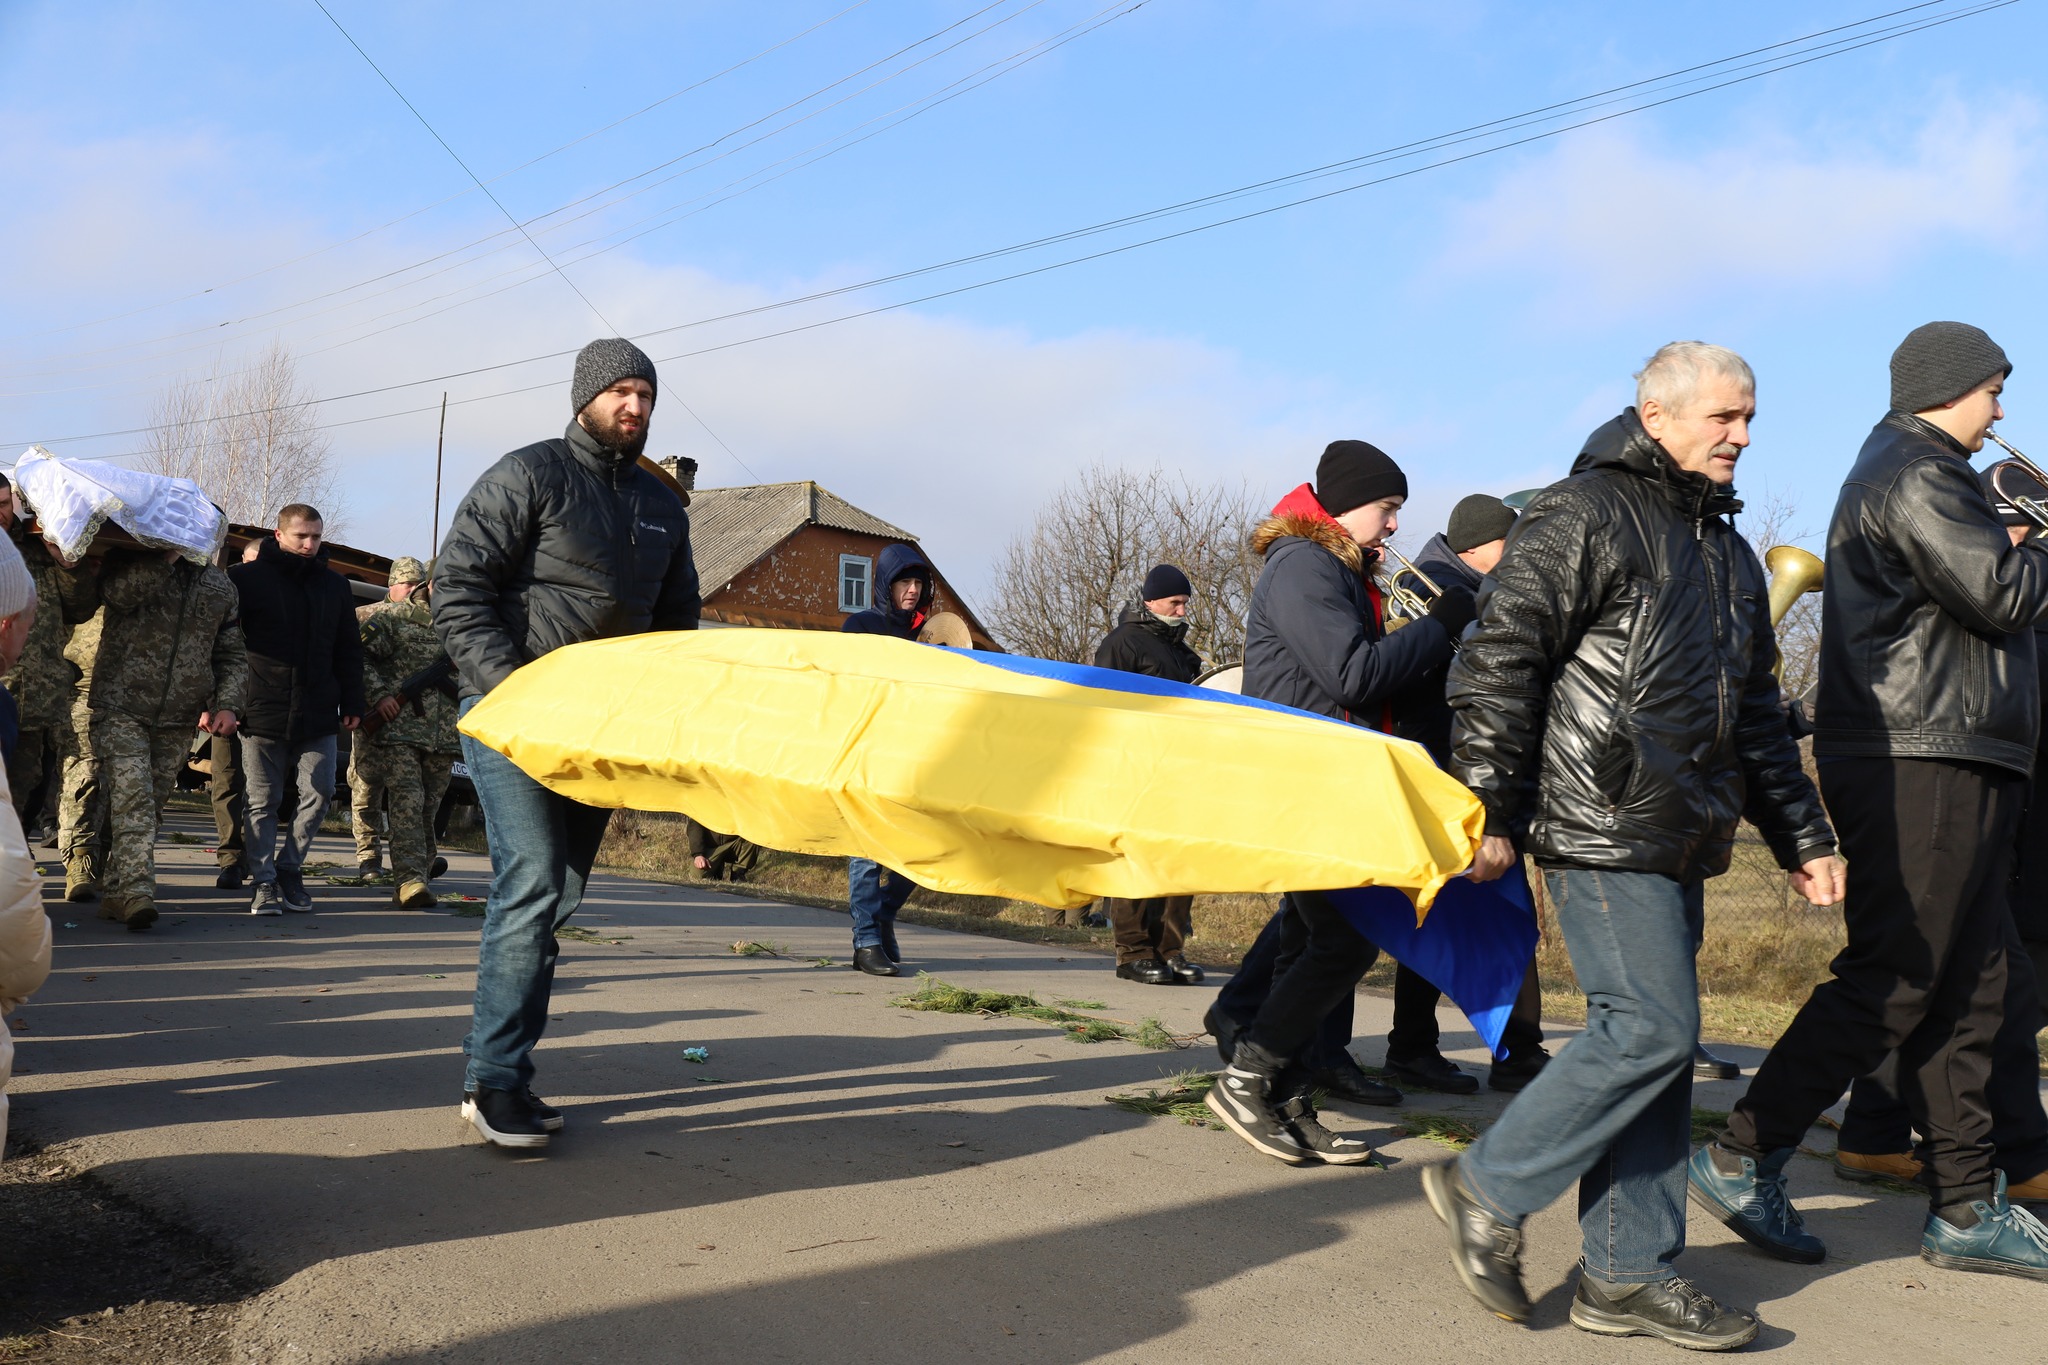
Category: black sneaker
[549,1116]
[440,866]
[291,886]
[1347,1081]
[1433,1071]
[1672,1310]
[1335,1149]
[1224,1030]
[1514,1072]
[230,876]
[505,1117]
[1486,1253]
[1242,1098]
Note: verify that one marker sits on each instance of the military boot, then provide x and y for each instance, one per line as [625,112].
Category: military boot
[137,912]
[414,896]
[81,883]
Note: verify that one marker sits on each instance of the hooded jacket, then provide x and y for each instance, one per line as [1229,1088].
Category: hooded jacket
[1313,637]
[1622,660]
[558,543]
[1422,712]
[883,616]
[1925,646]
[305,662]
[1142,643]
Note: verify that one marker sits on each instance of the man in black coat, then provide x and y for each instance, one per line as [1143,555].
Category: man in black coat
[559,542]
[1151,638]
[1926,726]
[305,685]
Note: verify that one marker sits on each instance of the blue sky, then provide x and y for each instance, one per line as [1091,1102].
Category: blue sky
[1475,320]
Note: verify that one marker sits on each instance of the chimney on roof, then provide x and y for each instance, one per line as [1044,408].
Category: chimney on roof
[682,469]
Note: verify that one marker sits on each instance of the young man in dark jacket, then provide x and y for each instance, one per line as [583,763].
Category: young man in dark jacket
[559,542]
[305,685]
[875,893]
[1616,713]
[1315,639]
[1926,725]
[1151,638]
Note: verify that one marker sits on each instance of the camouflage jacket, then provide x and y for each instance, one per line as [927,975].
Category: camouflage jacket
[399,641]
[169,643]
[42,678]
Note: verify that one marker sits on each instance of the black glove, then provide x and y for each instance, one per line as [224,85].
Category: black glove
[1454,608]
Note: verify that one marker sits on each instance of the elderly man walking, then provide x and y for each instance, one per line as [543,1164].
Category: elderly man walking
[559,542]
[1616,714]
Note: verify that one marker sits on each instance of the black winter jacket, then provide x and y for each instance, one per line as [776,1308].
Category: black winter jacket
[1142,643]
[1926,650]
[883,616]
[1312,639]
[1422,712]
[558,543]
[305,658]
[1622,658]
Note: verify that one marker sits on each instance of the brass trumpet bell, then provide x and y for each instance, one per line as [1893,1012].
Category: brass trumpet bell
[1794,573]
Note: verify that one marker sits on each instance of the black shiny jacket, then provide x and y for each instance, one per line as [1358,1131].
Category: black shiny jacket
[1622,659]
[1926,650]
[1142,643]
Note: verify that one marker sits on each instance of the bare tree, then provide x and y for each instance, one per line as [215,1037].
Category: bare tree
[1771,521]
[1061,584]
[248,439]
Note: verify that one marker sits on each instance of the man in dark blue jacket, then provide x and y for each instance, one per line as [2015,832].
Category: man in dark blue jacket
[558,543]
[875,893]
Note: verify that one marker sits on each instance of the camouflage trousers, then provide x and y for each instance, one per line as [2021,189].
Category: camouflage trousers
[81,801]
[138,765]
[366,800]
[413,782]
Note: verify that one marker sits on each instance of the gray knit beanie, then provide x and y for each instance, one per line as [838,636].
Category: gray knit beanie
[1939,362]
[603,363]
[17,587]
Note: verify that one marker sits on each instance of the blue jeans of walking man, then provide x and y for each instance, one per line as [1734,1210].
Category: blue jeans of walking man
[875,893]
[542,846]
[1613,1110]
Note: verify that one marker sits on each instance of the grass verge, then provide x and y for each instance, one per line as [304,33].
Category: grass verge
[943,997]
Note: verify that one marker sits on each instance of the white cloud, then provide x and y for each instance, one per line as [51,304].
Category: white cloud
[1615,221]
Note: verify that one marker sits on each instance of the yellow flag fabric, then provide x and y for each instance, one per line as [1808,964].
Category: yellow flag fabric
[975,778]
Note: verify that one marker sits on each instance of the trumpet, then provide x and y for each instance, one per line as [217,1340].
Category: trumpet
[2035,508]
[1413,605]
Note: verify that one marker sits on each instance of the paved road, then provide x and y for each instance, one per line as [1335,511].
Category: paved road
[842,1181]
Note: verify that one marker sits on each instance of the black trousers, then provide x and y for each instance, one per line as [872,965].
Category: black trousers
[1929,844]
[1415,1033]
[229,795]
[1320,962]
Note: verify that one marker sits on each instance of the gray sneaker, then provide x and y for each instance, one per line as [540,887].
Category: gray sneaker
[291,884]
[264,900]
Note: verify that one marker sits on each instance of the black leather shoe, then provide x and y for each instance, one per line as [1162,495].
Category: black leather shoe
[888,933]
[1188,972]
[1432,1071]
[1515,1072]
[1223,1029]
[1149,970]
[1672,1310]
[504,1117]
[1486,1253]
[1707,1067]
[440,866]
[873,961]
[230,877]
[1347,1081]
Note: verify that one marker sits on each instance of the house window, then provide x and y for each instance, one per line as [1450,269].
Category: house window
[854,573]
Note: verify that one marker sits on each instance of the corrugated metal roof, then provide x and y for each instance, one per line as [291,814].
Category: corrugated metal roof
[732,528]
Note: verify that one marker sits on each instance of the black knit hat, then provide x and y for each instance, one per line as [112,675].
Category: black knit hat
[1354,473]
[603,363]
[1477,520]
[1939,362]
[1166,581]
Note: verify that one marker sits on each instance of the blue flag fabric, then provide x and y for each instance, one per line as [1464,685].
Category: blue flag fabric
[1478,938]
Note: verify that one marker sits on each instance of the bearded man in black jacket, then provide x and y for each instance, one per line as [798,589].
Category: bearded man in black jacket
[1151,637]
[558,543]
[1615,712]
[1925,732]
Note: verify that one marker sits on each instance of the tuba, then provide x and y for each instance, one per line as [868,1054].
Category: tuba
[1794,573]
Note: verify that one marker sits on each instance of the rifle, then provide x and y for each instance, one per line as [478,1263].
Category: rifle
[438,675]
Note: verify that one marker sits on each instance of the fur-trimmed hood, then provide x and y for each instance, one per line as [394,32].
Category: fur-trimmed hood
[1299,514]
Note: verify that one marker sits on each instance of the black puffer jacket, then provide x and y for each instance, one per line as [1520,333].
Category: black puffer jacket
[1422,712]
[560,542]
[305,658]
[1142,643]
[1925,646]
[883,616]
[1623,658]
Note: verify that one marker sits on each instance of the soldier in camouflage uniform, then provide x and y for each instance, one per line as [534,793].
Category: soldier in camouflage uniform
[169,659]
[414,745]
[41,680]
[81,803]
[366,794]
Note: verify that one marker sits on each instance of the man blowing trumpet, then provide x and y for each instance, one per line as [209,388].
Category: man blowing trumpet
[1616,714]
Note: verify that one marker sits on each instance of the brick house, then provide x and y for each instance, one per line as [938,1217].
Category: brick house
[798,556]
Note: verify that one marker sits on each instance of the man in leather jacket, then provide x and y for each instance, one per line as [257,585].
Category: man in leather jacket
[1926,727]
[559,542]
[1616,714]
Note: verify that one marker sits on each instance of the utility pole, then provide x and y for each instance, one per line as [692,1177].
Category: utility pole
[434,546]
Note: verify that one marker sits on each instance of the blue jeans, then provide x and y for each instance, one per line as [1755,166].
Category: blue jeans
[874,893]
[542,846]
[1613,1110]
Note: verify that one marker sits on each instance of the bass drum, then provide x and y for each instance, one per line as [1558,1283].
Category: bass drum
[1223,678]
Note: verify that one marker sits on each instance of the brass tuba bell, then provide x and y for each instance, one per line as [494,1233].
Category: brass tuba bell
[1794,573]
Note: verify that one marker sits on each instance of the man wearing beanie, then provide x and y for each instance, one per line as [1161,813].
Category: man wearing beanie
[1151,638]
[1316,639]
[1927,723]
[559,542]
[1616,714]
